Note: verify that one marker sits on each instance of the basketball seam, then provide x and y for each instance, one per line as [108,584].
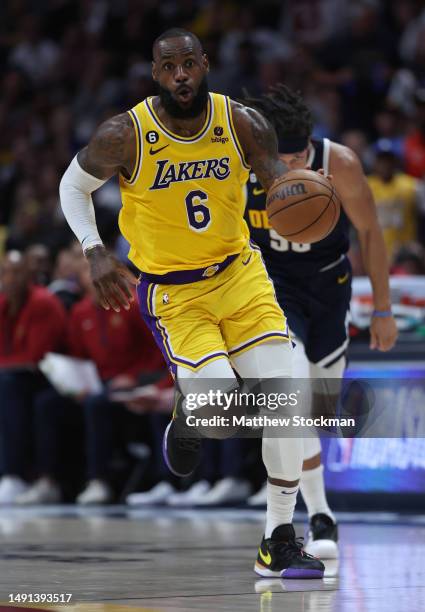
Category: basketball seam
[314,195]
[315,221]
[333,224]
[305,180]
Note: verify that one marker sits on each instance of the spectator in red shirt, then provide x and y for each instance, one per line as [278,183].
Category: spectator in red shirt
[414,145]
[32,322]
[126,355]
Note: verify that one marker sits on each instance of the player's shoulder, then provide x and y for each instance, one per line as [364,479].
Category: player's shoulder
[116,127]
[245,117]
[342,158]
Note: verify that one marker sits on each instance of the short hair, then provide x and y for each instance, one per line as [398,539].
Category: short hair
[177,33]
[286,111]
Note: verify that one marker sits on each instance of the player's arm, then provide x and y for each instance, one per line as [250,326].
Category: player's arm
[358,203]
[259,144]
[112,149]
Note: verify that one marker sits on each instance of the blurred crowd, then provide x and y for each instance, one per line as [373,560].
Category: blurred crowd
[66,65]
[92,442]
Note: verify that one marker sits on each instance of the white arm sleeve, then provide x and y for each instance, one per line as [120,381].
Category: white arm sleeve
[75,191]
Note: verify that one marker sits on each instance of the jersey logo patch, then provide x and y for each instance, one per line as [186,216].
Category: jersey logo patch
[343,279]
[155,151]
[218,133]
[168,173]
[210,271]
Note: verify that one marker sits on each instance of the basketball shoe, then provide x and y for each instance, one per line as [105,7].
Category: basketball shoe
[181,444]
[322,537]
[282,556]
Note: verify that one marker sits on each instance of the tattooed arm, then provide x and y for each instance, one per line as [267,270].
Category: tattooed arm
[112,149]
[259,144]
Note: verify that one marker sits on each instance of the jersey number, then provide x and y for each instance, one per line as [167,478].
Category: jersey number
[278,243]
[198,213]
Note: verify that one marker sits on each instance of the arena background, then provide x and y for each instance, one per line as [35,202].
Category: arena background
[67,65]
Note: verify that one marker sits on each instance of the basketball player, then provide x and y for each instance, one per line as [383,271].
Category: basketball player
[183,158]
[313,281]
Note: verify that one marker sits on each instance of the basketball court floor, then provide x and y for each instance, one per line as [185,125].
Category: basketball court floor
[115,560]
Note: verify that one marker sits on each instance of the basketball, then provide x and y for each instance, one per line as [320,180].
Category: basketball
[303,206]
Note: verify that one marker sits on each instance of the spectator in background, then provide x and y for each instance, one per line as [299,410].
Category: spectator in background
[64,277]
[414,145]
[39,264]
[125,355]
[409,260]
[397,198]
[32,323]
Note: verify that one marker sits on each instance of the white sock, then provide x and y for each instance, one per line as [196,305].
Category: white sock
[280,506]
[312,488]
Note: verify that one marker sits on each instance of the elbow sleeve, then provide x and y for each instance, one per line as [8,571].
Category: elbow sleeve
[75,191]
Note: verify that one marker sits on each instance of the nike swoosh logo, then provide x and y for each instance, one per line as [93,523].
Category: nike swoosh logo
[257,191]
[246,262]
[267,559]
[343,279]
[155,151]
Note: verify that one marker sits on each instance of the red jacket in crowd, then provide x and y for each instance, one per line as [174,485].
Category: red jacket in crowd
[117,342]
[39,327]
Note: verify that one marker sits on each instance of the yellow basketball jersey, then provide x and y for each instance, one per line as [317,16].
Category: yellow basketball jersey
[183,205]
[396,208]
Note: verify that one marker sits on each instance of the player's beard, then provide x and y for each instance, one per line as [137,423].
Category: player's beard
[173,108]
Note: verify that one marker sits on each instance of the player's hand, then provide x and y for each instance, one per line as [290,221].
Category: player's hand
[111,279]
[328,176]
[383,333]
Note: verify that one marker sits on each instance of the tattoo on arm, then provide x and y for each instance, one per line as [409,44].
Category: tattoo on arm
[112,148]
[259,143]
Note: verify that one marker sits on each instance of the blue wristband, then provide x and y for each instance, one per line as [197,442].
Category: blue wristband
[382,313]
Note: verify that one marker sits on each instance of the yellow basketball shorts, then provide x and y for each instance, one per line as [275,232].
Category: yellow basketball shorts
[220,316]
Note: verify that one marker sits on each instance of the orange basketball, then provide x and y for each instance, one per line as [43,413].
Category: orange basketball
[303,206]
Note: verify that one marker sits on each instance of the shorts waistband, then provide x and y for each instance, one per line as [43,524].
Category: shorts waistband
[334,264]
[182,277]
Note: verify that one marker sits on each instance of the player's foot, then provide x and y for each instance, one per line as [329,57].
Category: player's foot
[96,492]
[322,537]
[43,491]
[191,496]
[282,556]
[10,488]
[181,445]
[259,498]
[226,491]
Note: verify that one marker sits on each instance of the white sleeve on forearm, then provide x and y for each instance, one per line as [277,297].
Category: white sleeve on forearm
[75,191]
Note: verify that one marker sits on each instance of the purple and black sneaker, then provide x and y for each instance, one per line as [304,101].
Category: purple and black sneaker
[282,556]
[181,444]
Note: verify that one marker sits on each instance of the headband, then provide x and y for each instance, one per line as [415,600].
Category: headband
[293,144]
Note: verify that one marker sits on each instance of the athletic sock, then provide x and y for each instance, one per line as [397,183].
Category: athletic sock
[312,487]
[280,507]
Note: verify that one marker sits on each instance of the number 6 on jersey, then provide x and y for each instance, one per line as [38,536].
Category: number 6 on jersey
[198,213]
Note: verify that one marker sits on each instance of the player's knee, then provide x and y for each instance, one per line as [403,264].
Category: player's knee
[210,401]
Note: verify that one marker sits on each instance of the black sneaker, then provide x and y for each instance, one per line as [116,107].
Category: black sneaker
[322,537]
[282,556]
[181,445]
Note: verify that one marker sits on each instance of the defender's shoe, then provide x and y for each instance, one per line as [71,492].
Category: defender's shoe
[282,556]
[322,537]
[181,445]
